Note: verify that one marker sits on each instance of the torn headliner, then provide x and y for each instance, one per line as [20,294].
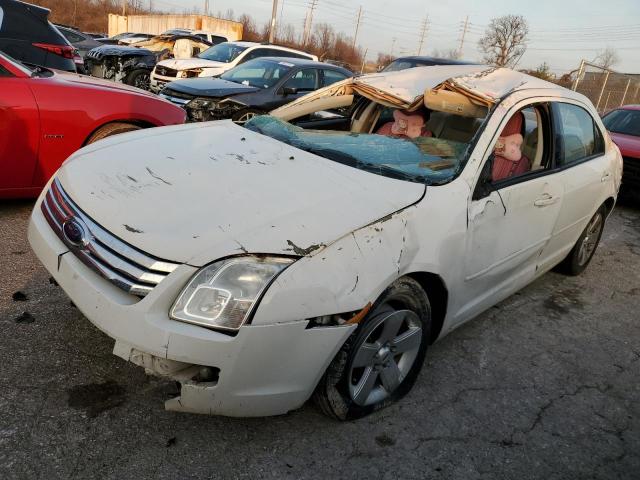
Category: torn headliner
[405,89]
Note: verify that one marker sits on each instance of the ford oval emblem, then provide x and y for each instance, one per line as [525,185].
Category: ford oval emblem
[75,231]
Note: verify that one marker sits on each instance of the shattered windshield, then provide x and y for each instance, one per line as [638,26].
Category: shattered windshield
[433,159]
[223,52]
[258,73]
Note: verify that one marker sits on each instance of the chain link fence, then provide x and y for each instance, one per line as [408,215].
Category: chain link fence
[606,88]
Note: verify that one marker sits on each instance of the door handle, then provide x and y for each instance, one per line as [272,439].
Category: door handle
[605,177]
[545,200]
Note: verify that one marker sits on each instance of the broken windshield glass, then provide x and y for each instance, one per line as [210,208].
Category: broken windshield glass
[426,160]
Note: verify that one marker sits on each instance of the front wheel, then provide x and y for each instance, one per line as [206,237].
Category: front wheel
[582,252]
[139,78]
[380,362]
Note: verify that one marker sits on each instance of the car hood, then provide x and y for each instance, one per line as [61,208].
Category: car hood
[189,63]
[629,145]
[117,51]
[87,81]
[200,192]
[210,87]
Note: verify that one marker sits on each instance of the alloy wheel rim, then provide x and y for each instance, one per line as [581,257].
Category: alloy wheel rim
[589,242]
[142,81]
[385,356]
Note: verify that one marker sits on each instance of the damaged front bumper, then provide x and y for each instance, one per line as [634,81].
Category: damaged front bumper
[262,370]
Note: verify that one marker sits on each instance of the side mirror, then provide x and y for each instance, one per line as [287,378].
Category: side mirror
[289,90]
[484,187]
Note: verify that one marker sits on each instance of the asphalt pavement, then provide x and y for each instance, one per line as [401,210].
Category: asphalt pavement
[546,385]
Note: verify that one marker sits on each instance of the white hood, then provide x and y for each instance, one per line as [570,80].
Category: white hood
[200,192]
[189,63]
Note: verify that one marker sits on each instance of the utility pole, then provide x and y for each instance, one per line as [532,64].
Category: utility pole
[464,32]
[423,32]
[393,45]
[151,6]
[206,7]
[274,14]
[307,31]
[124,7]
[364,60]
[355,35]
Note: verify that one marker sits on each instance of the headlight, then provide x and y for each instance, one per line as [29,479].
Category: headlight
[202,103]
[194,72]
[223,294]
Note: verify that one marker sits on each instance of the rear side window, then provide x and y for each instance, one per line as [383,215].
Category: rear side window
[331,76]
[23,22]
[577,135]
[274,52]
[71,36]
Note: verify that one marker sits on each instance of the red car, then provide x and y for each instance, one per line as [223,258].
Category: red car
[624,126]
[46,115]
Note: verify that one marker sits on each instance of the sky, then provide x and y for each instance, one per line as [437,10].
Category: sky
[561,32]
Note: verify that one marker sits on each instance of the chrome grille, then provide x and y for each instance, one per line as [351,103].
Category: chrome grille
[125,266]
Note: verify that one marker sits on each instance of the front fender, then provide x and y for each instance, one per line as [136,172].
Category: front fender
[346,275]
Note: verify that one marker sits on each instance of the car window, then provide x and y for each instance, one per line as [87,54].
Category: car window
[577,135]
[418,156]
[275,52]
[256,53]
[223,52]
[258,73]
[520,148]
[331,76]
[304,80]
[626,122]
[71,36]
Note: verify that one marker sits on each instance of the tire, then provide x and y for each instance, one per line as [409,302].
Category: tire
[139,78]
[243,116]
[111,129]
[380,361]
[580,255]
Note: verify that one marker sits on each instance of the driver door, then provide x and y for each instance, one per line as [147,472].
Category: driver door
[511,220]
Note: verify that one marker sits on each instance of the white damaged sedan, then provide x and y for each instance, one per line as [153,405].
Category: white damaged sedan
[321,249]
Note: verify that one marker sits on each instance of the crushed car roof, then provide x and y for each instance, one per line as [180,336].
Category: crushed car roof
[405,89]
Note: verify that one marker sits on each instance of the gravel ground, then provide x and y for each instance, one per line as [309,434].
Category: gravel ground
[544,385]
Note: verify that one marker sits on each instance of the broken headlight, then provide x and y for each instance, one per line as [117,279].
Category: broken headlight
[194,72]
[223,294]
[202,103]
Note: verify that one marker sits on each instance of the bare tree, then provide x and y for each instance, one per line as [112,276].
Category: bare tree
[607,58]
[324,39]
[505,40]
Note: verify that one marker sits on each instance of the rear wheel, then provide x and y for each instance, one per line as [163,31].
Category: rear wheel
[139,78]
[380,362]
[582,252]
[111,129]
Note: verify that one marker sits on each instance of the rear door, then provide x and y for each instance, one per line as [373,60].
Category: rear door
[19,130]
[585,171]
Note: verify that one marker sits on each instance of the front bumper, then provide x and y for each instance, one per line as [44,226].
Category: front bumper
[263,370]
[158,82]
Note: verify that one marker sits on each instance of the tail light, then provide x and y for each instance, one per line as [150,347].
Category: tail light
[66,51]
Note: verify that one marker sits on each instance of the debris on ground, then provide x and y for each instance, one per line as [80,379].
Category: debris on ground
[19,296]
[25,317]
